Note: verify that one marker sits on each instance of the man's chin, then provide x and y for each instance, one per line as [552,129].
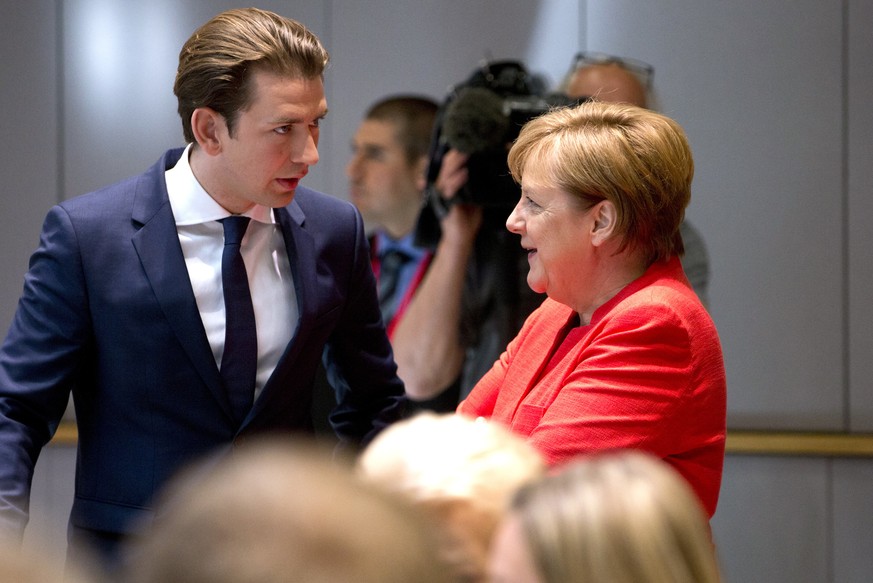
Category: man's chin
[281,200]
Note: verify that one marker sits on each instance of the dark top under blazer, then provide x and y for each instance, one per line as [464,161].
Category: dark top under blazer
[108,313]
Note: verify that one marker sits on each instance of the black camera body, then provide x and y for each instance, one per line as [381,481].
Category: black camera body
[482,117]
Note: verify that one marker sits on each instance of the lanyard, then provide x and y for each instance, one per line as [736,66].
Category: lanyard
[410,291]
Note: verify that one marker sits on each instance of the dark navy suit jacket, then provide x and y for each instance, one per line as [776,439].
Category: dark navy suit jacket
[108,313]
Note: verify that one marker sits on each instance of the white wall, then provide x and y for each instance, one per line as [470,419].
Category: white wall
[858,213]
[29,135]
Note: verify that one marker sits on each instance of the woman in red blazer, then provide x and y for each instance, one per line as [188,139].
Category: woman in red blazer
[622,354]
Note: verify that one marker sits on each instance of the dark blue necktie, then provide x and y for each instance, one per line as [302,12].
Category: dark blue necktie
[239,362]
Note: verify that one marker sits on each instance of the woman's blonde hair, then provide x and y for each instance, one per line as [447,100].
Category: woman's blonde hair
[617,517]
[637,159]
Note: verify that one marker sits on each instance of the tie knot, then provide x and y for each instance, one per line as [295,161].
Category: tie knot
[234,229]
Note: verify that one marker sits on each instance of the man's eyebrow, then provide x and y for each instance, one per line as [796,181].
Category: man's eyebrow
[322,115]
[373,148]
[293,120]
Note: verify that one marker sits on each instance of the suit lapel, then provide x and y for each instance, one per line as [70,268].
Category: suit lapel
[157,244]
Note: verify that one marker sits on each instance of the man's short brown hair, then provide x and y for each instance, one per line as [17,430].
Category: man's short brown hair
[217,61]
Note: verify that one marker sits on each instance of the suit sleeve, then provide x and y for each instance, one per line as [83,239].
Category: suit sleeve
[38,362]
[359,360]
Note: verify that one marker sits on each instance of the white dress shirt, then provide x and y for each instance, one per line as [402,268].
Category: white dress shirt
[265,256]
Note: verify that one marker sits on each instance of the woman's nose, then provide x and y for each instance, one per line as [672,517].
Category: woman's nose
[514,222]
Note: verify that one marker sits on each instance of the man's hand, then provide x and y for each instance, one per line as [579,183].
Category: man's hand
[462,222]
[453,174]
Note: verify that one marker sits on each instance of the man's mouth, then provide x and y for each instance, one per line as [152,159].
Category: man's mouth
[288,183]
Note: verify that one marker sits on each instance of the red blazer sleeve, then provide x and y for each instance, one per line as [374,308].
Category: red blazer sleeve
[482,398]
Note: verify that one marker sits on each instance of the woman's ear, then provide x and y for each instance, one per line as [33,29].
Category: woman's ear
[209,128]
[605,218]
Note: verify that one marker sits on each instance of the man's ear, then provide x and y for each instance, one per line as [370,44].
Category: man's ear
[209,129]
[605,219]
[421,172]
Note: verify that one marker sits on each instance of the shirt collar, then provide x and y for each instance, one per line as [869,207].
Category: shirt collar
[192,205]
[384,244]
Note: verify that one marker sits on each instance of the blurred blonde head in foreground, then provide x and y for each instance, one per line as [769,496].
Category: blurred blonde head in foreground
[462,472]
[26,565]
[619,517]
[273,513]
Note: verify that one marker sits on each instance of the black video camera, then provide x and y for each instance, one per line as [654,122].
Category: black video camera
[482,117]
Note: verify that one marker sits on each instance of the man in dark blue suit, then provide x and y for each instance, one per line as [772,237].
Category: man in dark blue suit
[123,304]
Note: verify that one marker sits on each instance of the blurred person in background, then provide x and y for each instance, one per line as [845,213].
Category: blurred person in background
[386,174]
[386,182]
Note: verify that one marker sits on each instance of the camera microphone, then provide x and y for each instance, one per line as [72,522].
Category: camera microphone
[474,121]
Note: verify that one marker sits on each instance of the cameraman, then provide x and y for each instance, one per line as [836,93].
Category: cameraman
[474,297]
[470,304]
